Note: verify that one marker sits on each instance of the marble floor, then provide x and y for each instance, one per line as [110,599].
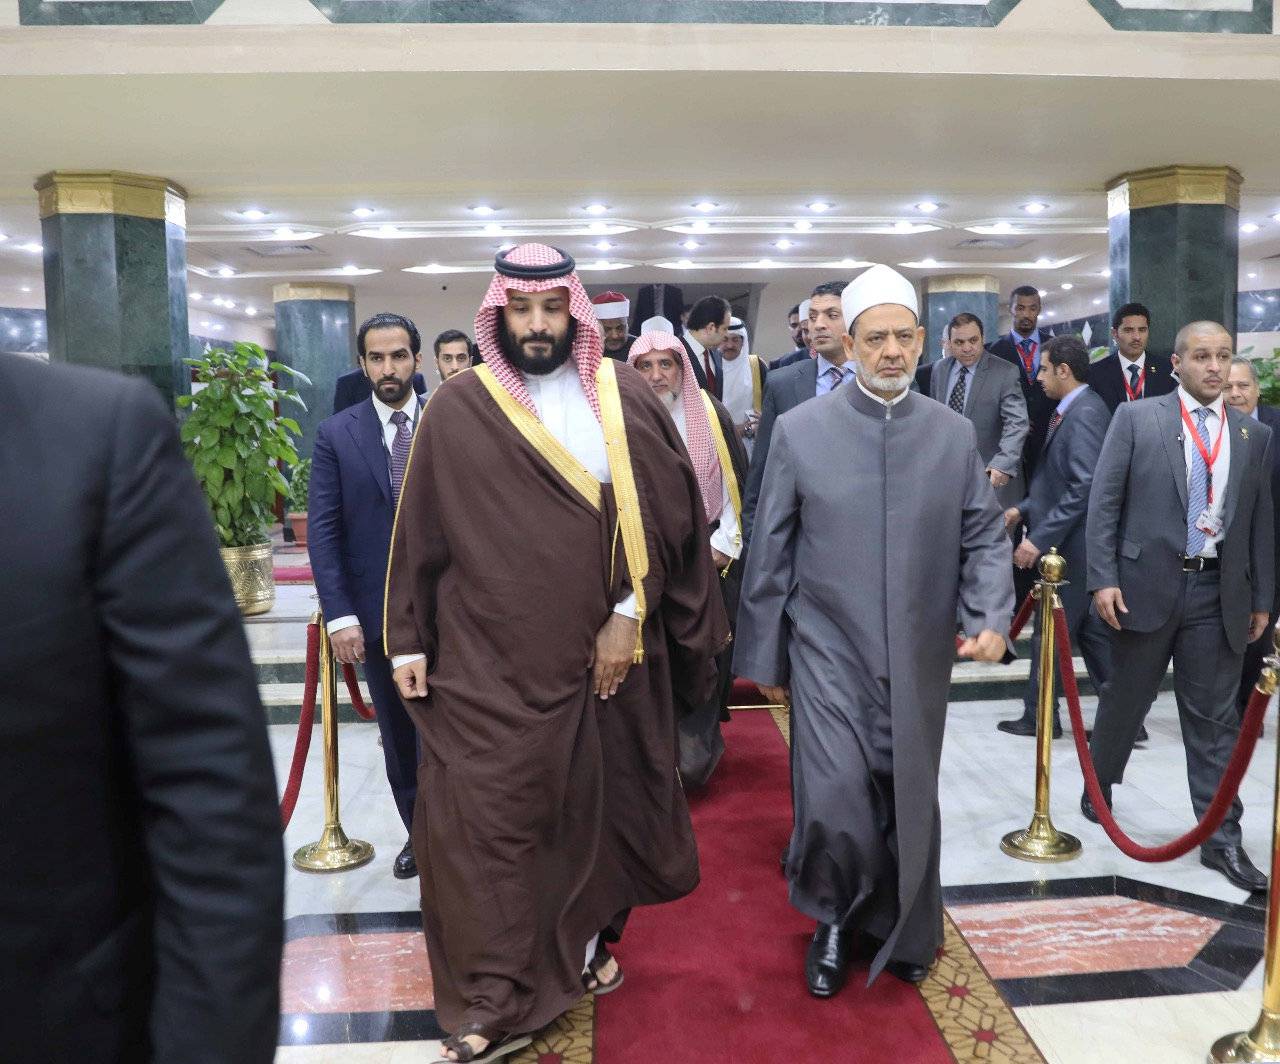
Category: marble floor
[1104,959]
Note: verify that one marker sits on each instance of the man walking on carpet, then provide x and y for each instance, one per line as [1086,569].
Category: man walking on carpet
[550,583]
[838,615]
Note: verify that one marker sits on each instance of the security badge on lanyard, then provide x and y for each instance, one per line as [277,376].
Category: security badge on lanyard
[1208,522]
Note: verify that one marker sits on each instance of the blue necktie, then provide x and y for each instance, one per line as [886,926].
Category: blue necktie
[1198,487]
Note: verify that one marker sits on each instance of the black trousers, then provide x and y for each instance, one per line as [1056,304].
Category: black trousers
[1253,655]
[399,737]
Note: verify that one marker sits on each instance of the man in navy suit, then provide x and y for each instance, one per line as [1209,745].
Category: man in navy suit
[1242,393]
[354,387]
[1132,373]
[357,465]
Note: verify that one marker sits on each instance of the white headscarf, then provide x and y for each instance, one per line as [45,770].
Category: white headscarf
[738,393]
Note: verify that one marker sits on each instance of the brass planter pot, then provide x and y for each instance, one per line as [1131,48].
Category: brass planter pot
[252,577]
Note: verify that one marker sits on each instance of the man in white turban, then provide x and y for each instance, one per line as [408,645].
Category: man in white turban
[839,615]
[744,375]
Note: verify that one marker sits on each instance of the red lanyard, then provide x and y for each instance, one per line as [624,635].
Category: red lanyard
[1135,393]
[1209,459]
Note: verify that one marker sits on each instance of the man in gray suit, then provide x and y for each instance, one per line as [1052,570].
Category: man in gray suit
[1181,558]
[1055,508]
[985,389]
[789,386]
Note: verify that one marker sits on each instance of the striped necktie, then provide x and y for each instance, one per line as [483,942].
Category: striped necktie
[399,452]
[1198,487]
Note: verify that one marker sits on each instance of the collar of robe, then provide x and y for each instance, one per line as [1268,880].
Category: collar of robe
[864,404]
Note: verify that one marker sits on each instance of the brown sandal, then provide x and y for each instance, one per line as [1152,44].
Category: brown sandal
[591,981]
[500,1045]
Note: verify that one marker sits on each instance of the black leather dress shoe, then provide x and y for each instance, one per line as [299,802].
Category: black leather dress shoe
[1086,806]
[1027,726]
[906,971]
[827,963]
[1234,863]
[405,867]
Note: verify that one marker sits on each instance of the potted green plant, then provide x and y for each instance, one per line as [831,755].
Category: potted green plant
[296,503]
[234,436]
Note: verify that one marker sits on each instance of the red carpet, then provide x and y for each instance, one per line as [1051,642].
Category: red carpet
[719,976]
[293,574]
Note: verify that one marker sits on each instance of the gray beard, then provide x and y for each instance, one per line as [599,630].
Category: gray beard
[669,400]
[888,384]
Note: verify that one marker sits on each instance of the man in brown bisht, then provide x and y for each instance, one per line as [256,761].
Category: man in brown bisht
[550,582]
[721,468]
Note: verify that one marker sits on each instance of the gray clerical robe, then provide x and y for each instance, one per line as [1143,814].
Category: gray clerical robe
[876,526]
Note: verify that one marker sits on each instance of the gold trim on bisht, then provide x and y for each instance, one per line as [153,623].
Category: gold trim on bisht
[964,282]
[1163,186]
[111,192]
[726,469]
[342,293]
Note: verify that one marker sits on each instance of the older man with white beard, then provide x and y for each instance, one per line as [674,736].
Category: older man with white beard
[839,616]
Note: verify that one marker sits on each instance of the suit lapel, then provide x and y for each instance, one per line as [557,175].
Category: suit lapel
[366,430]
[977,382]
[1171,428]
[1241,452]
[806,383]
[938,379]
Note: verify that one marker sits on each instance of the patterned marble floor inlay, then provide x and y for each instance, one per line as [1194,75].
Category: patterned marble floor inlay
[381,972]
[1062,936]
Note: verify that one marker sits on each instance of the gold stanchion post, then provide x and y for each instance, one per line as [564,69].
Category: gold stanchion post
[1262,1041]
[334,852]
[1041,841]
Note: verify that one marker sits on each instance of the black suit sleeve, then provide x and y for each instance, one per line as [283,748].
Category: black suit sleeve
[186,697]
[759,455]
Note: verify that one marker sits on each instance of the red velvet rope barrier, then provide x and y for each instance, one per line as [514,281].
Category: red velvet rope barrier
[1217,811]
[306,720]
[353,689]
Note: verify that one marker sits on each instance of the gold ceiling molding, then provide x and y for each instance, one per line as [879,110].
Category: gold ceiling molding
[112,192]
[1162,186]
[967,282]
[282,293]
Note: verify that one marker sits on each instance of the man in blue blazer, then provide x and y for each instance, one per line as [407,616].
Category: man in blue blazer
[358,464]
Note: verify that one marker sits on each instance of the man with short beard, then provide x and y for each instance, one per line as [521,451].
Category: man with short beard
[707,429]
[550,583]
[839,617]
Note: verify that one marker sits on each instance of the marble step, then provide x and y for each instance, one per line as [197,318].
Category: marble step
[283,703]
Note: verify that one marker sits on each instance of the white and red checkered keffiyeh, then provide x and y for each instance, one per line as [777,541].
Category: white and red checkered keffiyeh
[697,426]
[587,347]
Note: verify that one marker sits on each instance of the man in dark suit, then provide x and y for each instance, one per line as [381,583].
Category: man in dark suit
[1181,564]
[357,465]
[1131,373]
[1054,513]
[799,335]
[704,332]
[792,385]
[141,908]
[353,387]
[454,352]
[1242,395]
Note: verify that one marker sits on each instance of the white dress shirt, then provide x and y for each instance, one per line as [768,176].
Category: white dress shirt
[414,409]
[1140,361]
[726,538]
[1221,468]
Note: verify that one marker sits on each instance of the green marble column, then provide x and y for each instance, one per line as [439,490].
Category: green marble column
[1174,235]
[947,296]
[316,335]
[115,273]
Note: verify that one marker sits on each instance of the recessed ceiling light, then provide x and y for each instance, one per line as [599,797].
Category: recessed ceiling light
[285,232]
[602,245]
[783,245]
[1035,208]
[700,227]
[706,206]
[33,247]
[226,271]
[903,226]
[928,264]
[1043,292]
[1002,227]
[927,207]
[819,206]
[251,311]
[691,245]
[1044,263]
[596,208]
[1050,314]
[254,214]
[803,225]
[1105,273]
[1097,302]
[482,209]
[196,296]
[493,228]
[349,268]
[1253,276]
[1067,286]
[230,304]
[26,288]
[205,324]
[364,212]
[1250,227]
